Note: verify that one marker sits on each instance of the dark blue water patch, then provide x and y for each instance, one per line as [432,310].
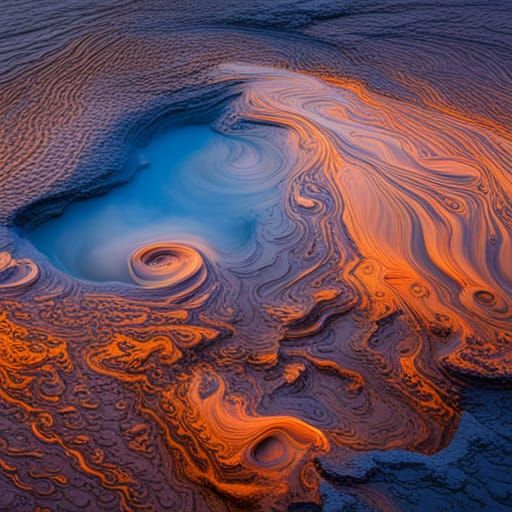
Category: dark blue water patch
[194,185]
[473,473]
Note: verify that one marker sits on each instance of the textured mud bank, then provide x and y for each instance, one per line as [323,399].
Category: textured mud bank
[335,335]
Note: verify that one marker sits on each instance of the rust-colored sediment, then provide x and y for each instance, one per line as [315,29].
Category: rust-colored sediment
[216,387]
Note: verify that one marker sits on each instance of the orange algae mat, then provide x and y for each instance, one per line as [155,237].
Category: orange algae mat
[377,288]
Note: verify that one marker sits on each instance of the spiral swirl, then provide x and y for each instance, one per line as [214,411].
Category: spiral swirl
[167,264]
[16,274]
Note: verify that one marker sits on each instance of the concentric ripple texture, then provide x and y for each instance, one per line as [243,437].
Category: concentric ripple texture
[357,354]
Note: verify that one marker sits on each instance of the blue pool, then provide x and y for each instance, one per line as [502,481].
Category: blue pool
[195,185]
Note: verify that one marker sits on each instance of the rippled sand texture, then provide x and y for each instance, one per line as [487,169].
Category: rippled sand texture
[378,289]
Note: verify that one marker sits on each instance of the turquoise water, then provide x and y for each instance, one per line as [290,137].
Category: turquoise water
[197,186]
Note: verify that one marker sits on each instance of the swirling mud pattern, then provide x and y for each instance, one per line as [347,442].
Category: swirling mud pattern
[166,264]
[305,313]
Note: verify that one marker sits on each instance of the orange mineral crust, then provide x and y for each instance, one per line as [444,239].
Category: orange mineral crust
[375,285]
